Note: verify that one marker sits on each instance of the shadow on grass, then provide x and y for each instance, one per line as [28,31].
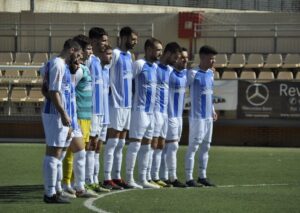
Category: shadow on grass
[20,194]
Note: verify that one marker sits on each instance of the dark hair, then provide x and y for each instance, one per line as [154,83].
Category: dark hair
[207,50]
[71,43]
[172,47]
[107,47]
[97,32]
[150,43]
[183,49]
[82,40]
[126,32]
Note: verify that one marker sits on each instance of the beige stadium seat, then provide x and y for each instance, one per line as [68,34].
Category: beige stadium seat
[291,61]
[35,95]
[39,58]
[6,58]
[236,61]
[221,61]
[227,75]
[18,94]
[22,59]
[285,75]
[255,61]
[273,61]
[297,76]
[265,75]
[29,76]
[216,75]
[12,76]
[248,75]
[3,94]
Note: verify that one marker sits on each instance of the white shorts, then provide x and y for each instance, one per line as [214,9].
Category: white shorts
[103,132]
[160,124]
[141,125]
[174,129]
[55,132]
[96,125]
[119,118]
[200,130]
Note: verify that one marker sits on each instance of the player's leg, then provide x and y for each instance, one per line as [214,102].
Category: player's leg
[118,154]
[195,138]
[204,156]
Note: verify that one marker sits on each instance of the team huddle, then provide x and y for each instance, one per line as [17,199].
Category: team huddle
[97,94]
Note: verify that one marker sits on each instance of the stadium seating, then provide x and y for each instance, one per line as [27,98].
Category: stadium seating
[29,76]
[39,58]
[35,95]
[248,75]
[227,75]
[216,75]
[12,76]
[297,76]
[255,61]
[6,58]
[291,61]
[273,61]
[221,61]
[22,59]
[236,61]
[266,75]
[3,94]
[18,94]
[285,75]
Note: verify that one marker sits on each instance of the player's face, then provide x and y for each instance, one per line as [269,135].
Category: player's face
[87,52]
[99,44]
[207,60]
[173,57]
[131,41]
[181,63]
[156,51]
[74,60]
[106,57]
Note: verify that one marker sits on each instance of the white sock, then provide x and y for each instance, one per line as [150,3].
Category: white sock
[60,171]
[203,158]
[96,168]
[150,164]
[79,170]
[89,167]
[156,164]
[190,160]
[118,155]
[131,154]
[163,169]
[143,159]
[50,174]
[171,160]
[109,157]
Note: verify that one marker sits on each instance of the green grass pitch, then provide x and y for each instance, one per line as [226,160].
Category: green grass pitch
[249,180]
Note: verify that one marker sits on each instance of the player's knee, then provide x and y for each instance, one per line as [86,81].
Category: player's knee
[173,147]
[205,146]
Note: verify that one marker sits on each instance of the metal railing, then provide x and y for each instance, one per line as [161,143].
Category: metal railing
[50,31]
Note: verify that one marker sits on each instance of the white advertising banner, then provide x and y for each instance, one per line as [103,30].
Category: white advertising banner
[225,94]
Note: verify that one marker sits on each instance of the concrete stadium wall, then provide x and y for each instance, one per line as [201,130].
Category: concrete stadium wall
[165,28]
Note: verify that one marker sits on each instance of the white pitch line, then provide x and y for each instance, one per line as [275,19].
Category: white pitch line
[89,202]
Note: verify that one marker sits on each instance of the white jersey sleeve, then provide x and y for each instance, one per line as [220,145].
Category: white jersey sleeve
[56,74]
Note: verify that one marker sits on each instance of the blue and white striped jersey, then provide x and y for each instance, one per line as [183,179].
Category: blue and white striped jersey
[121,79]
[162,89]
[57,77]
[145,78]
[177,87]
[105,74]
[94,65]
[201,92]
